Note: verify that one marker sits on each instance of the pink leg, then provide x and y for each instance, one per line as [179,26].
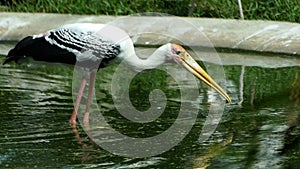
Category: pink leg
[89,100]
[78,100]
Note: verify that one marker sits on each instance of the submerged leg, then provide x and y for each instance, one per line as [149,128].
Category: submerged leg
[89,100]
[78,100]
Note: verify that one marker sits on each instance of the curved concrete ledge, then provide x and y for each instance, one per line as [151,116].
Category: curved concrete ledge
[264,36]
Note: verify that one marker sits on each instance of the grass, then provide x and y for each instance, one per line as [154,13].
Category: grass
[279,10]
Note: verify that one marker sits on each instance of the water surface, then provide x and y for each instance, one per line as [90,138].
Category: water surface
[262,132]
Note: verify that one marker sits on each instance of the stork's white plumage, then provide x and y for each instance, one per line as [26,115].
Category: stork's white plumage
[93,46]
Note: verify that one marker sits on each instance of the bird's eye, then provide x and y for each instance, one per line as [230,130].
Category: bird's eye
[178,52]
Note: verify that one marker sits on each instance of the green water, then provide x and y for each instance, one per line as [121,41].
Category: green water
[36,104]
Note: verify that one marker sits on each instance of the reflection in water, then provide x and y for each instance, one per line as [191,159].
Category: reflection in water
[295,92]
[241,84]
[271,141]
[213,150]
[36,102]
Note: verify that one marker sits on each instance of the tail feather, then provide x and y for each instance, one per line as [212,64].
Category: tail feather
[40,50]
[19,51]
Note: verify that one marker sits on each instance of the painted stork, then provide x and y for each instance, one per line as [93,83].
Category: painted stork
[68,44]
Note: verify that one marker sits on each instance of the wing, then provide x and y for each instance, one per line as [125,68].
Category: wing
[68,44]
[40,50]
[86,45]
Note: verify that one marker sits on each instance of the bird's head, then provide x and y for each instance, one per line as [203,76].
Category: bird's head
[180,56]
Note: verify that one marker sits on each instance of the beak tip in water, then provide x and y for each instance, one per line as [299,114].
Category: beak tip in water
[191,65]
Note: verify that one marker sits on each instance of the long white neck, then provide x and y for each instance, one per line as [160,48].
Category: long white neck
[158,57]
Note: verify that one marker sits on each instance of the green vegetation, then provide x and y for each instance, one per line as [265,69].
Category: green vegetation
[281,10]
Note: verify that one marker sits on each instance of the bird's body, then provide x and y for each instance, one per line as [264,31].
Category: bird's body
[67,44]
[93,46]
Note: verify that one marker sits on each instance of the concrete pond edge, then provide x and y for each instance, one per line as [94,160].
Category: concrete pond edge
[251,35]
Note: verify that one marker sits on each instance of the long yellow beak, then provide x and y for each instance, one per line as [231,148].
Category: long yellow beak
[191,65]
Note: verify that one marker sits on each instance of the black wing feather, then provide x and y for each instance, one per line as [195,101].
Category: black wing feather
[40,50]
[79,42]
[65,46]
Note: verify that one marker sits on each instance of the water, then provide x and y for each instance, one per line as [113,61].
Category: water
[263,132]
